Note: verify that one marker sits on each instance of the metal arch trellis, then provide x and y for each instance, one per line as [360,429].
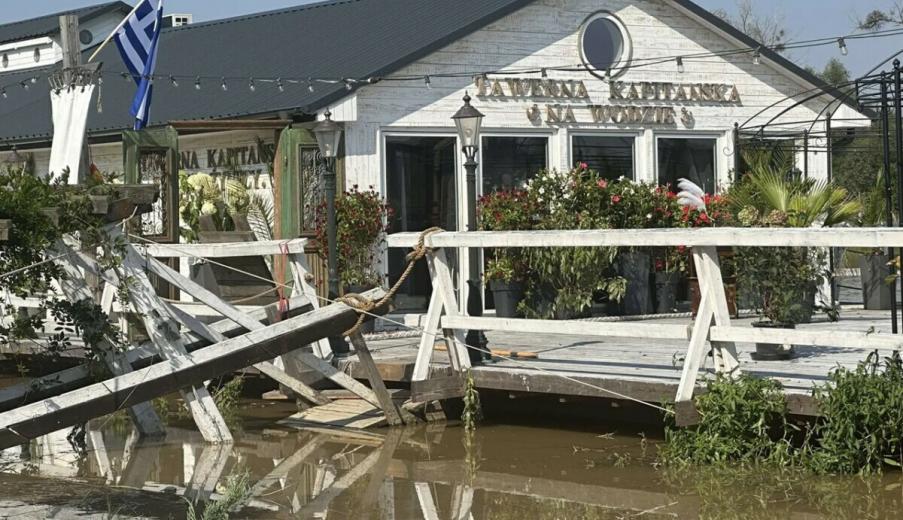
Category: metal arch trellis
[879,95]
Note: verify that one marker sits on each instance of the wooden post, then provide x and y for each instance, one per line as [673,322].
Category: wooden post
[300,271]
[393,416]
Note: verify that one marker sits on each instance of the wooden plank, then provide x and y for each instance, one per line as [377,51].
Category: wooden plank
[437,389]
[633,329]
[38,418]
[454,338]
[347,413]
[693,237]
[300,271]
[726,352]
[322,500]
[425,499]
[230,312]
[165,334]
[223,250]
[393,416]
[282,470]
[696,351]
[430,328]
[139,357]
[75,288]
[836,339]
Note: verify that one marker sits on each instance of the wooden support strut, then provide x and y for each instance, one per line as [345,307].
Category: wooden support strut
[77,406]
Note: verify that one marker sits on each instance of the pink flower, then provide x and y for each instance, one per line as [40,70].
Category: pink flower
[602,183]
[615,199]
[584,166]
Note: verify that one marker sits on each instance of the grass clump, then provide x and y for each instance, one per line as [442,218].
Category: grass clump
[236,492]
[861,429]
[743,421]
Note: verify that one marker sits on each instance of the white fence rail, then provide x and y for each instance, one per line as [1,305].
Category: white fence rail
[712,324]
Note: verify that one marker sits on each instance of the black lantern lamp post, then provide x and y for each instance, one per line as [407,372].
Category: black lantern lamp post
[329,134]
[468,121]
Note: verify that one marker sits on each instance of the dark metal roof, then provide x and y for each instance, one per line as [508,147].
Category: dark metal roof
[49,24]
[336,38]
[339,38]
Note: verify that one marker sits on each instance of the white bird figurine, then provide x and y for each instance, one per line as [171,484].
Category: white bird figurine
[690,195]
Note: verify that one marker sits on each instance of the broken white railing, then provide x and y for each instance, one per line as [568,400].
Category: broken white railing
[712,324]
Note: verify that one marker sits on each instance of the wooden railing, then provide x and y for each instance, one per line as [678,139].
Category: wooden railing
[712,324]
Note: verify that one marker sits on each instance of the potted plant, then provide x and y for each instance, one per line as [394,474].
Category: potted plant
[563,282]
[670,268]
[361,220]
[874,264]
[506,269]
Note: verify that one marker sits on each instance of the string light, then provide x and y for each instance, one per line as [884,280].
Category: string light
[24,85]
[680,65]
[197,83]
[224,86]
[543,73]
[426,80]
[4,94]
[125,76]
[279,85]
[757,57]
[843,46]
[251,85]
[310,86]
[348,85]
[172,80]
[34,79]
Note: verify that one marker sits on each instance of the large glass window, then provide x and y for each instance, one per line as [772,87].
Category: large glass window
[508,162]
[611,156]
[693,159]
[420,174]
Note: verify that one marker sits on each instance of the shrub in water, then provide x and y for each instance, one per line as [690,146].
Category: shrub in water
[861,429]
[743,421]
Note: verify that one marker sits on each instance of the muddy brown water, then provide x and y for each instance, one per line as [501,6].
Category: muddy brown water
[520,472]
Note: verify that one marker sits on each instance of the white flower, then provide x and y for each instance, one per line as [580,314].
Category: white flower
[648,216]
[208,208]
[621,178]
[542,191]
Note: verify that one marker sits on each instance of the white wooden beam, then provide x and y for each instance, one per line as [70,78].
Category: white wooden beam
[584,328]
[223,250]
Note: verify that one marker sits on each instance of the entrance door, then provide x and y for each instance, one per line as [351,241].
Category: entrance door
[421,188]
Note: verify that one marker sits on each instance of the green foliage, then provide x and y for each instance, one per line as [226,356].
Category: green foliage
[237,490]
[784,280]
[506,210]
[361,220]
[200,195]
[862,425]
[473,410]
[743,421]
[228,399]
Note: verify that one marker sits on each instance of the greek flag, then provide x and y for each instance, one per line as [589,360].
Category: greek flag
[137,39]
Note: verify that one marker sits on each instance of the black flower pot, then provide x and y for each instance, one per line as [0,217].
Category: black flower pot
[876,293]
[507,296]
[769,351]
[666,291]
[635,267]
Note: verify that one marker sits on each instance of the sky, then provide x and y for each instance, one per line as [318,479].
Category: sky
[803,20]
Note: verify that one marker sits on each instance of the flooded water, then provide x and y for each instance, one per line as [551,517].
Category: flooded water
[513,472]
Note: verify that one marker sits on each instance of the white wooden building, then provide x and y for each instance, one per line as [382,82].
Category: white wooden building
[652,91]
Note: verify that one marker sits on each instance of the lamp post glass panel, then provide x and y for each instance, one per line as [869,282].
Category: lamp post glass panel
[329,134]
[468,121]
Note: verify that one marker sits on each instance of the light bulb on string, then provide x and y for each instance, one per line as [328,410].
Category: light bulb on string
[757,57]
[310,86]
[34,79]
[224,86]
[348,85]
[251,86]
[197,83]
[125,76]
[427,82]
[24,85]
[172,79]
[843,46]
[680,65]
[4,94]
[279,85]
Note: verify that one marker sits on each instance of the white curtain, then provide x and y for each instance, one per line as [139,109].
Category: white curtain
[70,117]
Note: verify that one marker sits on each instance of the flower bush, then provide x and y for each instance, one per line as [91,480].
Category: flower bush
[506,210]
[362,218]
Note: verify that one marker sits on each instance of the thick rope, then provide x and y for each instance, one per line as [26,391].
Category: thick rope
[365,306]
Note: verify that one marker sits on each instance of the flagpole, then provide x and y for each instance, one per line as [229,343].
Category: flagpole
[116,30]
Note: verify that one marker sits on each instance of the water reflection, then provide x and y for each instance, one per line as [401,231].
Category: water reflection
[416,473]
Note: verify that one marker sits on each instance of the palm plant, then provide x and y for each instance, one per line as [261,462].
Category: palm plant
[771,186]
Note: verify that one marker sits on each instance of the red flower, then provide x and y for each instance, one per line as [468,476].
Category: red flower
[584,166]
[602,183]
[615,199]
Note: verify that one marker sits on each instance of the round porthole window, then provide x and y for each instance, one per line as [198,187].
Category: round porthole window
[86,37]
[605,46]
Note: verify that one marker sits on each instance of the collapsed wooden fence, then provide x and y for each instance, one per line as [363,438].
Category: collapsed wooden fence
[183,351]
[447,318]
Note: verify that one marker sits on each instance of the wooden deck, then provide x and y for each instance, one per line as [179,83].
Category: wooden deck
[646,369]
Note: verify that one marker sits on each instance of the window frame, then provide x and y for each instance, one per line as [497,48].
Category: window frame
[547,135]
[711,136]
[626,58]
[636,136]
